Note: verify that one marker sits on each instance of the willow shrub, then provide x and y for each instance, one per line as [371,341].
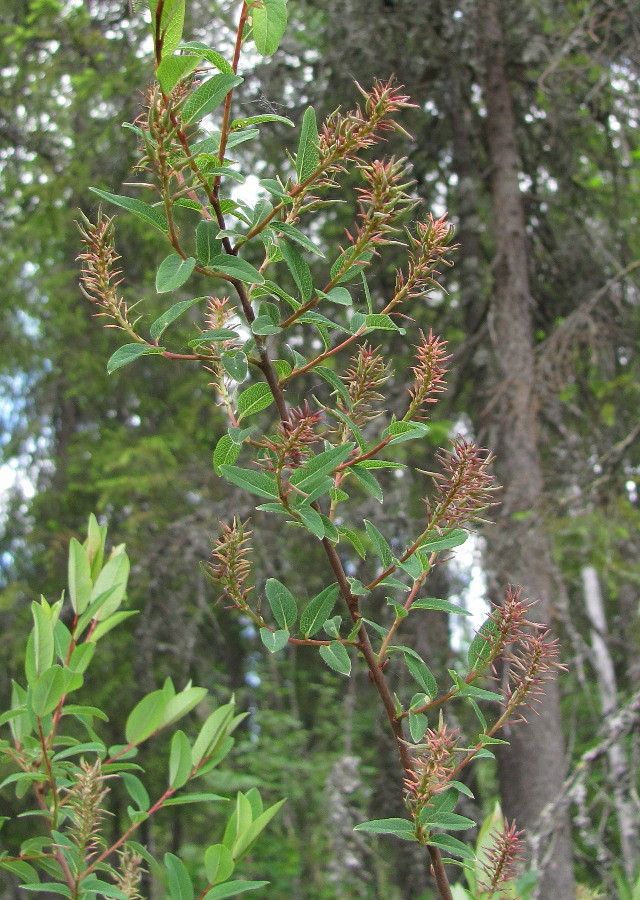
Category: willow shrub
[305,460]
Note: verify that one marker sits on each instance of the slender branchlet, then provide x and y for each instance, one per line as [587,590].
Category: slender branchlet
[344,135]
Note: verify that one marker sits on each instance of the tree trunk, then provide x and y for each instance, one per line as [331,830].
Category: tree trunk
[532,768]
[619,772]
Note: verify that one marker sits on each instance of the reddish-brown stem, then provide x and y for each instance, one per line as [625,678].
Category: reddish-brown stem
[356,459]
[439,873]
[224,129]
[123,837]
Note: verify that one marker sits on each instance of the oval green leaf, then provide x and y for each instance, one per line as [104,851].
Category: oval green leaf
[173,272]
[282,603]
[235,267]
[336,657]
[254,399]
[274,641]
[269,20]
[209,95]
[48,691]
[145,718]
[148,214]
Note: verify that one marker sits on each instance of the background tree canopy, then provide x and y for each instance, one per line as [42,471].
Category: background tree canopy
[526,130]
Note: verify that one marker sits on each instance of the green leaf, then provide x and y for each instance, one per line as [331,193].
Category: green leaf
[79,576]
[25,872]
[400,828]
[275,189]
[211,56]
[128,353]
[208,245]
[274,641]
[136,790]
[48,887]
[379,322]
[330,376]
[233,889]
[482,646]
[470,690]
[110,623]
[308,157]
[354,538]
[422,674]
[336,657]
[146,717]
[181,704]
[299,269]
[382,548]
[112,581]
[148,214]
[247,835]
[263,326]
[225,453]
[179,760]
[186,799]
[318,610]
[180,885]
[167,318]
[282,603]
[405,431]
[311,520]
[293,234]
[212,335]
[208,96]
[418,723]
[173,272]
[92,886]
[214,729]
[269,20]
[319,465]
[43,644]
[448,821]
[453,846]
[447,542]
[254,399]
[80,712]
[218,863]
[259,120]
[367,481]
[258,483]
[48,690]
[338,295]
[235,267]
[172,23]
[235,365]
[443,605]
[173,68]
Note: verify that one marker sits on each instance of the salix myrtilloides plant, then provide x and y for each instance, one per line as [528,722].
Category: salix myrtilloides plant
[307,460]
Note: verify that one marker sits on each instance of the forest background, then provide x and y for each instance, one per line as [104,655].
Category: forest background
[526,130]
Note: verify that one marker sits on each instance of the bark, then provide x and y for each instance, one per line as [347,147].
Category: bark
[532,768]
[619,775]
